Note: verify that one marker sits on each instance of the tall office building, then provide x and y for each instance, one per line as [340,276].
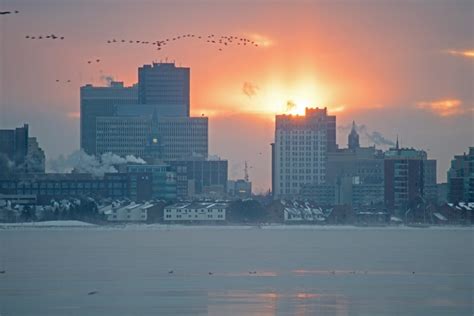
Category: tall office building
[166,86]
[165,138]
[14,144]
[100,102]
[409,175]
[461,178]
[300,150]
[122,135]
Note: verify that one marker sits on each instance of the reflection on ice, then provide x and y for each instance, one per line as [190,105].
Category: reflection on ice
[273,303]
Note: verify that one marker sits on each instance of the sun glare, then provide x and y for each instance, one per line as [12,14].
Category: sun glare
[280,98]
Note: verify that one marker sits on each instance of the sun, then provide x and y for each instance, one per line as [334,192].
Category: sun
[293,97]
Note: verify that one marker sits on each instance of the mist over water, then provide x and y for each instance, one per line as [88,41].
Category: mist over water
[240,271]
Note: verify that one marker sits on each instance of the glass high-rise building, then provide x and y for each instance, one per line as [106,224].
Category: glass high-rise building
[101,102]
[165,85]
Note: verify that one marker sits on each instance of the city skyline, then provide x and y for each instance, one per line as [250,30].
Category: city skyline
[419,88]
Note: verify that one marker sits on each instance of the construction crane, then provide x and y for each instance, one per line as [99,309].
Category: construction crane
[246,172]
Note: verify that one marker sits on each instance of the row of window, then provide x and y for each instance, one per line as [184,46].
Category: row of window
[195,216]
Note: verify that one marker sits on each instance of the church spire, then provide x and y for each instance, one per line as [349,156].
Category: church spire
[353,138]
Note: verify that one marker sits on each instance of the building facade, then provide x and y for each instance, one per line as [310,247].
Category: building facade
[177,138]
[132,212]
[409,175]
[461,178]
[122,135]
[163,180]
[195,212]
[66,185]
[357,174]
[165,85]
[14,144]
[196,177]
[99,102]
[300,150]
[35,161]
[240,188]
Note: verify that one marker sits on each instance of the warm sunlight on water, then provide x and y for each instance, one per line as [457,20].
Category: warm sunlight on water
[243,271]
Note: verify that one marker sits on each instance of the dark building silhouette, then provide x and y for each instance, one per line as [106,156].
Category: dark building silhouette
[353,138]
[14,144]
[165,85]
[196,177]
[461,178]
[67,185]
[409,175]
[101,102]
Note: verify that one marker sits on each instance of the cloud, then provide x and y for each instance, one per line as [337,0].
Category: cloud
[446,107]
[469,53]
[249,89]
[373,137]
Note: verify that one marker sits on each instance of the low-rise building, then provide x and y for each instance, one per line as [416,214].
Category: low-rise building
[296,212]
[66,185]
[132,212]
[159,179]
[239,188]
[195,212]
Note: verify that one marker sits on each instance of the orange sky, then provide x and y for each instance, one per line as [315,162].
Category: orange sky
[399,68]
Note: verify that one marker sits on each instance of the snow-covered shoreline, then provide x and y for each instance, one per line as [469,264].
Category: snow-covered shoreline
[47,224]
[71,224]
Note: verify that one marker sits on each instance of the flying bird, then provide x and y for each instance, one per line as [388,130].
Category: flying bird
[92,292]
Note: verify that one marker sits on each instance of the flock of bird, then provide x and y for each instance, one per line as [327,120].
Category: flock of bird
[222,41]
[52,36]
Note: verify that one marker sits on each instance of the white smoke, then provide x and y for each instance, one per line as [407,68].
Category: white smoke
[107,80]
[373,137]
[81,162]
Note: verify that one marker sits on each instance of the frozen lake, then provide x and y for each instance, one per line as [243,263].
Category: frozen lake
[274,271]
